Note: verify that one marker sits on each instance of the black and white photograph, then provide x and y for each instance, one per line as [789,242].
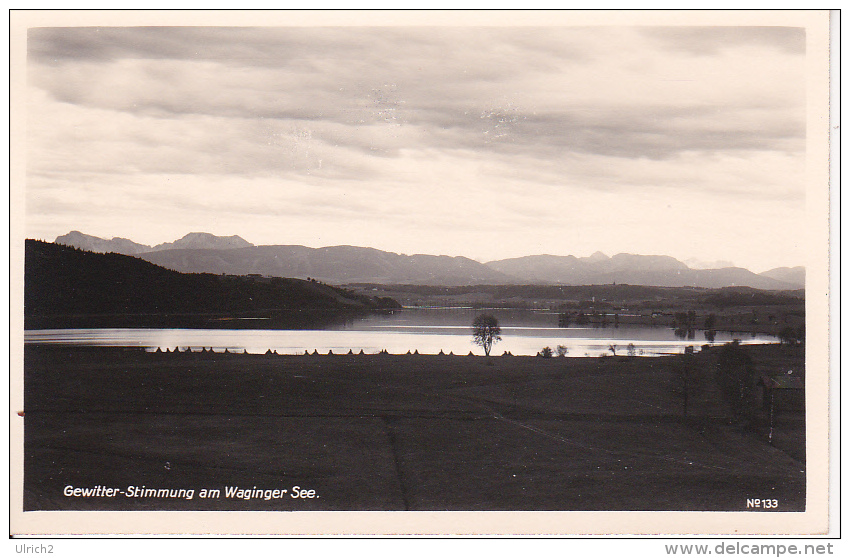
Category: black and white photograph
[425,265]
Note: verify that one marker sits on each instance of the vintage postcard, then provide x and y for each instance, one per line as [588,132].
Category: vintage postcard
[409,273]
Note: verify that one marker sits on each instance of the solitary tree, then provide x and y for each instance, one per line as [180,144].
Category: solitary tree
[486,331]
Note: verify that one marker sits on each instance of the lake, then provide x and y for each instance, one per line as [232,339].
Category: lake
[426,330]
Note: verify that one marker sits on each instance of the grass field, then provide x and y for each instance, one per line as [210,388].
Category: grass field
[399,432]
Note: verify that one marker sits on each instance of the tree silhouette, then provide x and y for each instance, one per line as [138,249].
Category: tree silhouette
[486,331]
[788,336]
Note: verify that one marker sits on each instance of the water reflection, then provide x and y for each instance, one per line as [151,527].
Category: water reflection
[428,331]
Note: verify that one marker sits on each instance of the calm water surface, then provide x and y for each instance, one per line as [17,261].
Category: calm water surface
[429,331]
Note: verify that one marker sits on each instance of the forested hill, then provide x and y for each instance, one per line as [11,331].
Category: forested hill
[68,287]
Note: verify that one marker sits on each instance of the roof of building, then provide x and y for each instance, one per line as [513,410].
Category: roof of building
[782,381]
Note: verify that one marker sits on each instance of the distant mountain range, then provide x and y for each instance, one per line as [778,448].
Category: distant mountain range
[631,269]
[128,247]
[232,255]
[792,275]
[67,287]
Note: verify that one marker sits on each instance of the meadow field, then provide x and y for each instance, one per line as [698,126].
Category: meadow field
[403,432]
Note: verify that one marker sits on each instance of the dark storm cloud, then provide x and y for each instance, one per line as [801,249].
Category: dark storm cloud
[324,64]
[656,132]
[307,47]
[245,45]
[334,102]
[473,88]
[631,132]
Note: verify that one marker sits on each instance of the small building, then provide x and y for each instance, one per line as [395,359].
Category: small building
[781,392]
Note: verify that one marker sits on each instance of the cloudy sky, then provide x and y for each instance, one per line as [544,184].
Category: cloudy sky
[484,142]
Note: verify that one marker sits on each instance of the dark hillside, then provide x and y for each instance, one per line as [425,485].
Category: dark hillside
[67,287]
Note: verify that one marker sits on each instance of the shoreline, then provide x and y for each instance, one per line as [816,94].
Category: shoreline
[297,320]
[213,351]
